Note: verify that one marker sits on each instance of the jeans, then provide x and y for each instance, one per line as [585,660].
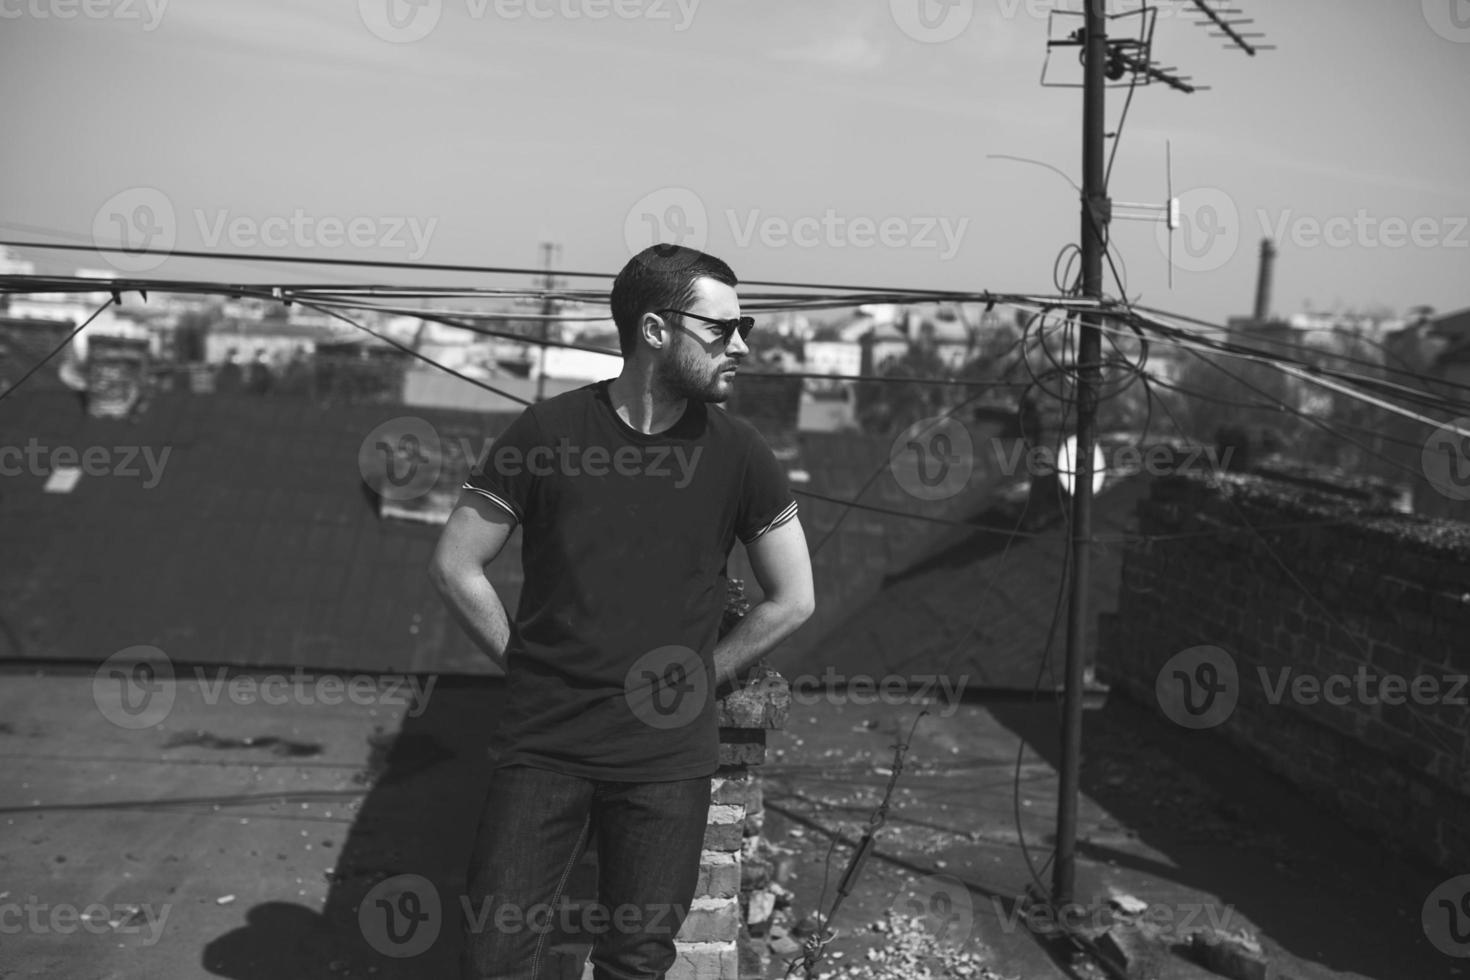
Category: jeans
[533,830]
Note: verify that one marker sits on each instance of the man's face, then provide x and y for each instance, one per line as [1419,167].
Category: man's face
[696,362]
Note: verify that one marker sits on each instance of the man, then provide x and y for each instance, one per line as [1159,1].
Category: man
[631,493]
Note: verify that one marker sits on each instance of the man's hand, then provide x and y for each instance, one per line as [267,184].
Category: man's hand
[783,568]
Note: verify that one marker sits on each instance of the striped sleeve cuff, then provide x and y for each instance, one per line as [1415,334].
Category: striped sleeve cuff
[509,507]
[779,519]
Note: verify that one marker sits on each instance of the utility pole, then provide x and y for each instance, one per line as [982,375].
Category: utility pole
[1103,61]
[549,251]
[1095,217]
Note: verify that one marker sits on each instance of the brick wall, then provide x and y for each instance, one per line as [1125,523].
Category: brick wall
[1319,590]
[715,941]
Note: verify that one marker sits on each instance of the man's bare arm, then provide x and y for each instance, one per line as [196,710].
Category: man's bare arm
[783,568]
[476,532]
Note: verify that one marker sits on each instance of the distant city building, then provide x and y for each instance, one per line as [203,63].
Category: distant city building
[11,264]
[275,341]
[833,357]
[827,411]
[117,375]
[571,365]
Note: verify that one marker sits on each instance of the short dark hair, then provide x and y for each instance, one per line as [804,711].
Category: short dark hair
[660,277]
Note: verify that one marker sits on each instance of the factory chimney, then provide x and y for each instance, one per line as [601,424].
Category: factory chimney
[1263,280]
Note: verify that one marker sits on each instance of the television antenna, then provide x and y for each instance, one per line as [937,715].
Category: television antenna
[1104,60]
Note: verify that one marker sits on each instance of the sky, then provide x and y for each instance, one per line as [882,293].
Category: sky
[831,141]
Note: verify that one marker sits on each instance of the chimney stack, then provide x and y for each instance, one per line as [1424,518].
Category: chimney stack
[1263,280]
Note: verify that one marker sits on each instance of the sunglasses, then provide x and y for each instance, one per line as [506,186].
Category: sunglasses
[745,324]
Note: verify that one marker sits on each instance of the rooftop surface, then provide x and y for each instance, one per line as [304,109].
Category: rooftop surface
[237,838]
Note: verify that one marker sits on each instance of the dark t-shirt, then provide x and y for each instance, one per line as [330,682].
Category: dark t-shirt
[610,669]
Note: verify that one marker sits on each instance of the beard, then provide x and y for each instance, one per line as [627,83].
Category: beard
[684,376]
